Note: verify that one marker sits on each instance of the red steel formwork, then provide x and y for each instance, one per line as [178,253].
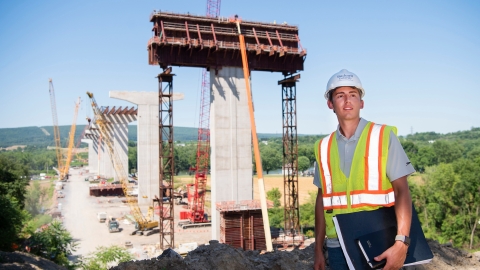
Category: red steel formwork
[201,41]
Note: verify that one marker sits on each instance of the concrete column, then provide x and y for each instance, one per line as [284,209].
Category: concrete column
[230,141]
[119,124]
[147,142]
[105,167]
[91,153]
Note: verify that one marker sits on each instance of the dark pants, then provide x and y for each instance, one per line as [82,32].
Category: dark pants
[336,259]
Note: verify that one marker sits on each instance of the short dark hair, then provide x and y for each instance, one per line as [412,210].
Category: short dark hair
[330,94]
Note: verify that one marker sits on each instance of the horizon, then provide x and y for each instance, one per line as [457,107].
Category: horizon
[300,134]
[418,61]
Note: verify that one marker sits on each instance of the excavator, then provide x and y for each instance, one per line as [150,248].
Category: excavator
[144,225]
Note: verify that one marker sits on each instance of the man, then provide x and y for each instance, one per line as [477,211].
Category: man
[360,167]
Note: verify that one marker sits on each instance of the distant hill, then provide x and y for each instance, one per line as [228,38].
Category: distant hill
[43,136]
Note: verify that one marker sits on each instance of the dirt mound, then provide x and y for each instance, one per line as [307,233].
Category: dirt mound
[19,260]
[221,256]
[448,257]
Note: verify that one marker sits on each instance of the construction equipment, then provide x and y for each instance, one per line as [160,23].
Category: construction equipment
[71,140]
[79,141]
[196,191]
[56,132]
[256,150]
[143,225]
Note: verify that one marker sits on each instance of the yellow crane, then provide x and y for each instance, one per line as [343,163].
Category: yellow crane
[56,132]
[71,141]
[142,223]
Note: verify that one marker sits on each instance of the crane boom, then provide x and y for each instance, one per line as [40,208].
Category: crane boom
[196,191]
[101,121]
[71,141]
[56,132]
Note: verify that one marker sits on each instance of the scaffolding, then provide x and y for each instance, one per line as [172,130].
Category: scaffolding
[290,154]
[166,166]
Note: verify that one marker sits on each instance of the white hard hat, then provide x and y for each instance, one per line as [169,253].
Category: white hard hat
[344,78]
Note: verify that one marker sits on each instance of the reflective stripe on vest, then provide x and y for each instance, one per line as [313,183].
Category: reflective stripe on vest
[372,193]
[325,145]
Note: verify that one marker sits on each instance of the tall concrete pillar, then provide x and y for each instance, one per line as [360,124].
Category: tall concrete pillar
[105,166]
[147,141]
[91,152]
[230,141]
[119,123]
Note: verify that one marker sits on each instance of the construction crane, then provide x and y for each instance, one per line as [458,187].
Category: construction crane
[143,225]
[196,191]
[56,132]
[79,141]
[71,141]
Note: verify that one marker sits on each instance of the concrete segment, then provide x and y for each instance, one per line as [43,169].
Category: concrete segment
[119,124]
[105,166]
[147,141]
[91,153]
[230,141]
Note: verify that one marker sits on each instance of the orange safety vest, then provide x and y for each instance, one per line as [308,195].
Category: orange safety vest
[368,187]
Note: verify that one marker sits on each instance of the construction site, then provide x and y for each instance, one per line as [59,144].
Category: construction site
[228,50]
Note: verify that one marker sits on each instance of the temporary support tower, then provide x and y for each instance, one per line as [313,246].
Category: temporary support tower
[290,154]
[167,169]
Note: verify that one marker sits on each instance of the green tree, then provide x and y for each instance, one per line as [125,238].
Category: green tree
[54,243]
[271,158]
[105,257]
[13,181]
[35,198]
[274,195]
[132,156]
[11,222]
[307,211]
[303,163]
[447,152]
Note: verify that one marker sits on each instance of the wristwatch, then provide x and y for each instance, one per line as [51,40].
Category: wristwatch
[403,238]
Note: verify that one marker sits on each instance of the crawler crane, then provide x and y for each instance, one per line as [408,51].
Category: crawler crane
[196,191]
[143,225]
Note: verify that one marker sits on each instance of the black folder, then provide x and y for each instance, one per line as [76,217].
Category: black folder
[375,243]
[353,227]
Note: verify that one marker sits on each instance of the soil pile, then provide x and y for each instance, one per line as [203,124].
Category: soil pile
[221,256]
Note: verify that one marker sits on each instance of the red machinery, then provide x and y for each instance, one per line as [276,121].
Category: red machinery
[196,191]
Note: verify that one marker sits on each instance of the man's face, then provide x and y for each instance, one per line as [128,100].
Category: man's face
[346,103]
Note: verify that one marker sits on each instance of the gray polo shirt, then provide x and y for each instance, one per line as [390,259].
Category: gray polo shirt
[398,164]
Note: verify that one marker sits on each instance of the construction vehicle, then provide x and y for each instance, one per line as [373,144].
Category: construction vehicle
[143,225]
[102,217]
[71,140]
[56,132]
[196,192]
[79,141]
[112,225]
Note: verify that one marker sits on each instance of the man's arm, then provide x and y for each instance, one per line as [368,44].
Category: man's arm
[396,254]
[320,228]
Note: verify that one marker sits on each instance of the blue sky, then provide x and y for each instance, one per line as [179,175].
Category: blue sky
[419,61]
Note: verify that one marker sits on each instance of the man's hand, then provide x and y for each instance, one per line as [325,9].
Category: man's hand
[395,256]
[319,263]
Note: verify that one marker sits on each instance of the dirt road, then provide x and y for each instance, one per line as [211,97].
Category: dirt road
[80,210]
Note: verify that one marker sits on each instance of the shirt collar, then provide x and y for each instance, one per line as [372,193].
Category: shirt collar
[358,131]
